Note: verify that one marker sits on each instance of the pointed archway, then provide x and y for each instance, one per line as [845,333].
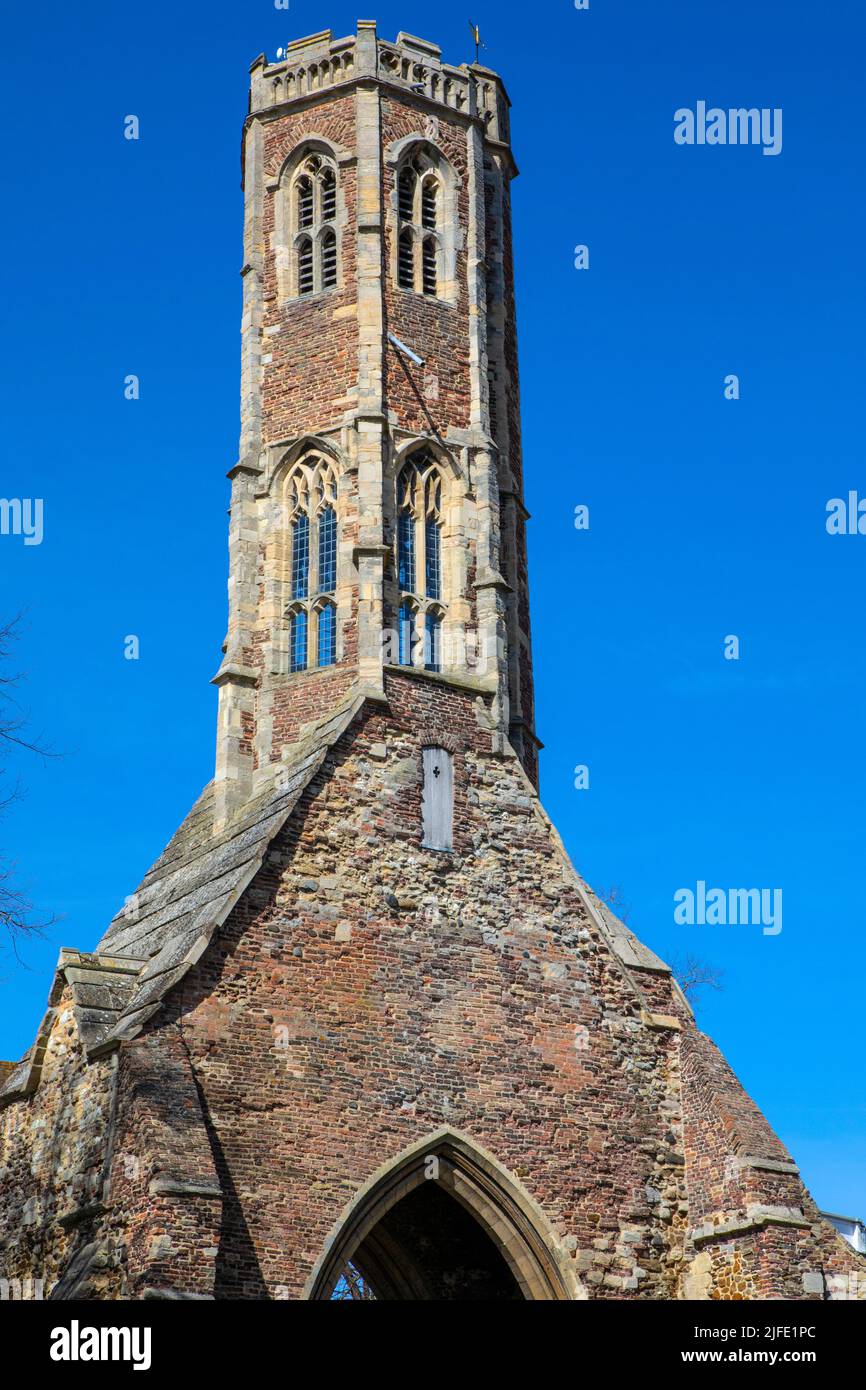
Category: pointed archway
[442,1221]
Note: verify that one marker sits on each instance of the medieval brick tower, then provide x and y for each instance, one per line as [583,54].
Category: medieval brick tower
[377,515]
[363,1030]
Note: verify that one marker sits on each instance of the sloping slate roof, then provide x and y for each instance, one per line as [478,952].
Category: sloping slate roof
[168,923]
[200,876]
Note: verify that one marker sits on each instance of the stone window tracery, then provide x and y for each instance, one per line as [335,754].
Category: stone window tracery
[419,561]
[419,199]
[311,610]
[313,204]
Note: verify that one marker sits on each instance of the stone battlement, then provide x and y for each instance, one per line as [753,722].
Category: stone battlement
[320,62]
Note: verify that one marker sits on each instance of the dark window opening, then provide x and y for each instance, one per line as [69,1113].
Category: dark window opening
[329,196]
[428,205]
[329,260]
[406,263]
[305,267]
[406,194]
[305,202]
[428,267]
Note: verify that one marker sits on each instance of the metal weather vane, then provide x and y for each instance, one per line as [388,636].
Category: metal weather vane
[476,35]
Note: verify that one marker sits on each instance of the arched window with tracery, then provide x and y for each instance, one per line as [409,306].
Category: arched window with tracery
[419,200]
[313,534]
[419,561]
[313,205]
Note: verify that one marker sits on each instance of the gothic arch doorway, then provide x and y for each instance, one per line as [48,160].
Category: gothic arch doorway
[443,1221]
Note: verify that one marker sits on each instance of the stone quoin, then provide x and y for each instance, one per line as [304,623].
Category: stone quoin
[362,1027]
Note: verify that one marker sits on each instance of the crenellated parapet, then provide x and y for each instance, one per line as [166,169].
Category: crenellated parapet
[320,63]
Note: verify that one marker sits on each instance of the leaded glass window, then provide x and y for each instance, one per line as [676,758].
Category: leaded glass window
[406,634]
[298,642]
[327,550]
[432,558]
[301,556]
[406,551]
[432,642]
[419,563]
[327,653]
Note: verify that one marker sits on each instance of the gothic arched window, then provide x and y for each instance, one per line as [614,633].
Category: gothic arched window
[314,211]
[419,558]
[311,500]
[419,198]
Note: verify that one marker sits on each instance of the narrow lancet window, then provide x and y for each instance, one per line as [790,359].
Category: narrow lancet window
[428,266]
[406,194]
[311,560]
[298,642]
[305,266]
[329,196]
[428,205]
[327,550]
[406,551]
[301,556]
[432,559]
[327,653]
[432,642]
[406,268]
[329,260]
[304,194]
[406,634]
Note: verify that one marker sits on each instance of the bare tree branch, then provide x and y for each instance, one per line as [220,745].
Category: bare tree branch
[693,974]
[12,719]
[17,917]
[614,898]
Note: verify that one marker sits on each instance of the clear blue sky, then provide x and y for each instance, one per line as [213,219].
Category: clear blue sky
[707,516]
